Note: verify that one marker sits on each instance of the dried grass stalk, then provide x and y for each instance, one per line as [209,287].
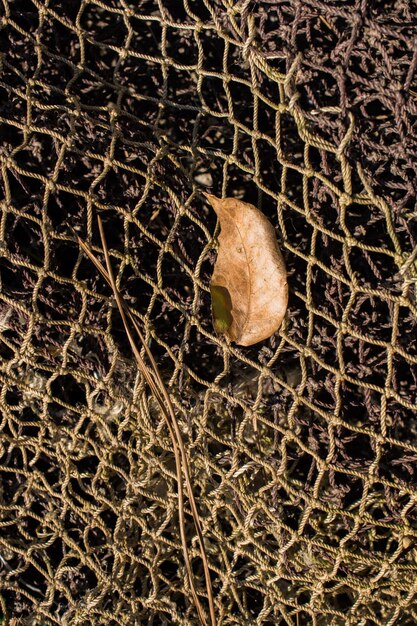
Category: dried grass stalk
[159,390]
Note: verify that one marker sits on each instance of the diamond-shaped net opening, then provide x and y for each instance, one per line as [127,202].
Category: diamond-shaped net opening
[303,448]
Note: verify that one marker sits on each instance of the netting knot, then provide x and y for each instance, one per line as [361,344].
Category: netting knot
[343,329]
[345,199]
[7,160]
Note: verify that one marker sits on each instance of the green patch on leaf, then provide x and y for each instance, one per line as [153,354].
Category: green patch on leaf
[221,305]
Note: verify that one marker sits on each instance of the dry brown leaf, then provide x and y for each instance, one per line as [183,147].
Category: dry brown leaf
[249,284]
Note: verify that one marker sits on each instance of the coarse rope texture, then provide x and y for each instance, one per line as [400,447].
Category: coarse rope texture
[303,448]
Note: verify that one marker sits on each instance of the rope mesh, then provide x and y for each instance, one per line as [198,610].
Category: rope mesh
[303,448]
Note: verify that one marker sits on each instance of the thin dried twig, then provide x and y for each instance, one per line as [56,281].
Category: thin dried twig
[157,386]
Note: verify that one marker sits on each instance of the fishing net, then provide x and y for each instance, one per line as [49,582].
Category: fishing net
[303,448]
